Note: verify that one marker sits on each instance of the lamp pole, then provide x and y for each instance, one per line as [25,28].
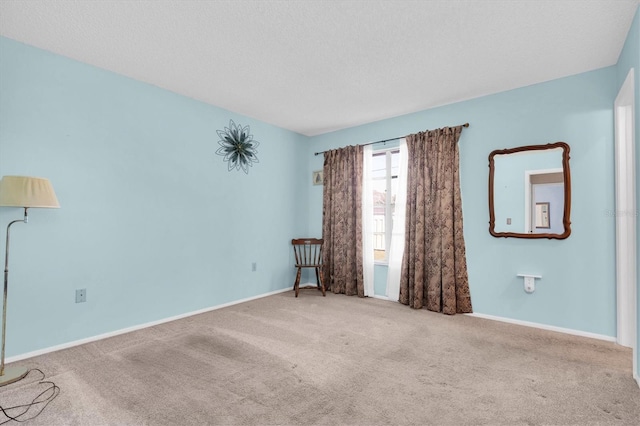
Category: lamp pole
[15,373]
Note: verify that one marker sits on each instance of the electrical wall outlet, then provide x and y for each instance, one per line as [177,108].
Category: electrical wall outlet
[254,266]
[81,295]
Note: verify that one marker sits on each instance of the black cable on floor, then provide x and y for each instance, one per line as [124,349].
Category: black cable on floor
[38,403]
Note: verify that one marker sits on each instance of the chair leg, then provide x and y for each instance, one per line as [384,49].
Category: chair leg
[317,278]
[296,286]
[321,281]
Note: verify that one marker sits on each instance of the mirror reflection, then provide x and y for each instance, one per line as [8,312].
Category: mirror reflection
[529,195]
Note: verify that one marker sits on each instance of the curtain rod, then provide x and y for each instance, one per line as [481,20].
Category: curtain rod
[387,140]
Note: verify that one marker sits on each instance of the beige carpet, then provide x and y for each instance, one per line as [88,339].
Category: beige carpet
[333,361]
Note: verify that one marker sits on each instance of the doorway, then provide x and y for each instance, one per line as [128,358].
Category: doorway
[544,201]
[625,216]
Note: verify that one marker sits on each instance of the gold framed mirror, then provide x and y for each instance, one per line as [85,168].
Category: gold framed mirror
[530,192]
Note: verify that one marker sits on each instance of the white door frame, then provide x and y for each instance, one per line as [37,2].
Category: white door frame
[625,215]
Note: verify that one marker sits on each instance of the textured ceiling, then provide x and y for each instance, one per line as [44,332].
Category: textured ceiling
[317,66]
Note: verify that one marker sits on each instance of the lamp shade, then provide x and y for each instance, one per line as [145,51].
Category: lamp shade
[26,191]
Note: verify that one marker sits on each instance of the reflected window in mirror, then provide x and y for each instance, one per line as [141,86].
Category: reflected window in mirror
[530,192]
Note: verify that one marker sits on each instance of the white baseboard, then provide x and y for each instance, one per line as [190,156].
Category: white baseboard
[136,327]
[546,327]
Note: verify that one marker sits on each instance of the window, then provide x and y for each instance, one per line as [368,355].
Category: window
[384,174]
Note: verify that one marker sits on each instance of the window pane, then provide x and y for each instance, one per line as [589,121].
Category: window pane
[394,192]
[378,236]
[379,196]
[395,163]
[382,178]
[379,166]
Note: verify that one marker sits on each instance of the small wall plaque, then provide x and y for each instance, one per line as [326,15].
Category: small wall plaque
[318,178]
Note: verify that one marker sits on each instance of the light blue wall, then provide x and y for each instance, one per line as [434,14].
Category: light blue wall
[380,280]
[152,224]
[630,58]
[577,290]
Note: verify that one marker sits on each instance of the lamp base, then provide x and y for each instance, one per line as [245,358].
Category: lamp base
[12,374]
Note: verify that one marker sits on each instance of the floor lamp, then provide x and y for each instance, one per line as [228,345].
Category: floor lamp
[25,192]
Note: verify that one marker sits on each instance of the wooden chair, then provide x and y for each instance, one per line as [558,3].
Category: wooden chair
[308,253]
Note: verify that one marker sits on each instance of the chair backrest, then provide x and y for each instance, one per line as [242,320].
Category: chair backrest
[308,251]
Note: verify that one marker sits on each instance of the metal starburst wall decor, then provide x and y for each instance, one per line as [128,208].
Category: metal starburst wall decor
[238,147]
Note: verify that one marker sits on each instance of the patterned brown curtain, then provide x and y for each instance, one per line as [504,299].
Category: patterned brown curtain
[342,221]
[434,265]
